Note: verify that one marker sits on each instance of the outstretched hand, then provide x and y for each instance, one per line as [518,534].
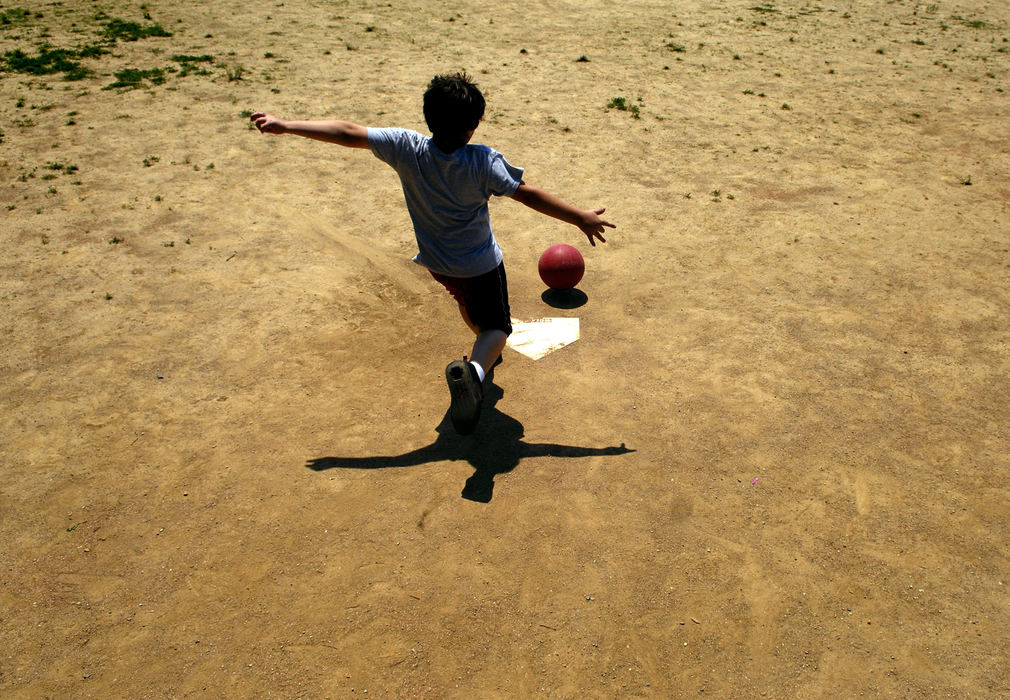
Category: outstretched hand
[268,124]
[592,225]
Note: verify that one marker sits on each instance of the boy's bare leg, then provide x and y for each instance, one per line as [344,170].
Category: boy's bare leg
[467,321]
[488,348]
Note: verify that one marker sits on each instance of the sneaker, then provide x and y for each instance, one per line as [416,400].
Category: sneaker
[467,395]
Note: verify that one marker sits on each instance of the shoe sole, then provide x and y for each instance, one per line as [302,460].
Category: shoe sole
[466,396]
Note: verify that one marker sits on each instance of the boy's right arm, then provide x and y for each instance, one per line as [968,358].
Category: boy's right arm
[339,132]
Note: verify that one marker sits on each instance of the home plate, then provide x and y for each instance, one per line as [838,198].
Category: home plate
[542,336]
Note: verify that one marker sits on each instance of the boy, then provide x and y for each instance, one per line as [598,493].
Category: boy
[446,185]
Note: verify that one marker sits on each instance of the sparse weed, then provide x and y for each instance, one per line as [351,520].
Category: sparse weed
[621,104]
[973,23]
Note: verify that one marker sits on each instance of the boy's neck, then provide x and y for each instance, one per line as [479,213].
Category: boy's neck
[447,147]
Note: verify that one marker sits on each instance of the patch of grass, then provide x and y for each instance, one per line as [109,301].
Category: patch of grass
[68,169]
[14,16]
[150,160]
[49,61]
[767,8]
[185,58]
[190,64]
[118,29]
[132,78]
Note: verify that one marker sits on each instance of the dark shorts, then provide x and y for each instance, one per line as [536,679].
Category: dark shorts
[485,298]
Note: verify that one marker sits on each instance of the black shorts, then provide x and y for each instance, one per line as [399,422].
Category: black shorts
[485,298]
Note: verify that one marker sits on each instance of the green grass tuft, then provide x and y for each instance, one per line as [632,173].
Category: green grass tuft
[118,29]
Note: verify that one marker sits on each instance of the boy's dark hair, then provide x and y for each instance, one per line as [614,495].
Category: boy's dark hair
[453,105]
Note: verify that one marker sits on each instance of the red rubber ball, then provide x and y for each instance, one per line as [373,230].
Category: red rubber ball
[561,266]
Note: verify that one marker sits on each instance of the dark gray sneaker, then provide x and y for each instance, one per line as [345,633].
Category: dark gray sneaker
[467,395]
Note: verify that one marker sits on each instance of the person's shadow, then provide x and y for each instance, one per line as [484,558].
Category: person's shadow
[496,447]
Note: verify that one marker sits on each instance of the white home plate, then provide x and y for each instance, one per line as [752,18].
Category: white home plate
[540,337]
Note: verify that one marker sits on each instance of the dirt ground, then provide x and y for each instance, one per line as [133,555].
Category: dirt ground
[775,463]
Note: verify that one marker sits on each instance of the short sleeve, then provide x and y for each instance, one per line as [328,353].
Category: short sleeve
[503,178]
[385,143]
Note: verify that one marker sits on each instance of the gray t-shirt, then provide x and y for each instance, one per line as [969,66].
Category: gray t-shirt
[447,195]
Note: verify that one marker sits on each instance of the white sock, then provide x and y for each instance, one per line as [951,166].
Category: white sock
[480,370]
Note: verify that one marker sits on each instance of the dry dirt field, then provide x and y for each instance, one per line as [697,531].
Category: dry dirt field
[775,464]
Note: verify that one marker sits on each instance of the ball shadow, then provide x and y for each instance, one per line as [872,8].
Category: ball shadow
[564,298]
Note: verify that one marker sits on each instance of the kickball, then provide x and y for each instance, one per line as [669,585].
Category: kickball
[561,266]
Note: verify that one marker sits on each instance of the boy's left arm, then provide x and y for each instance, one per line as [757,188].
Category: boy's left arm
[589,221]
